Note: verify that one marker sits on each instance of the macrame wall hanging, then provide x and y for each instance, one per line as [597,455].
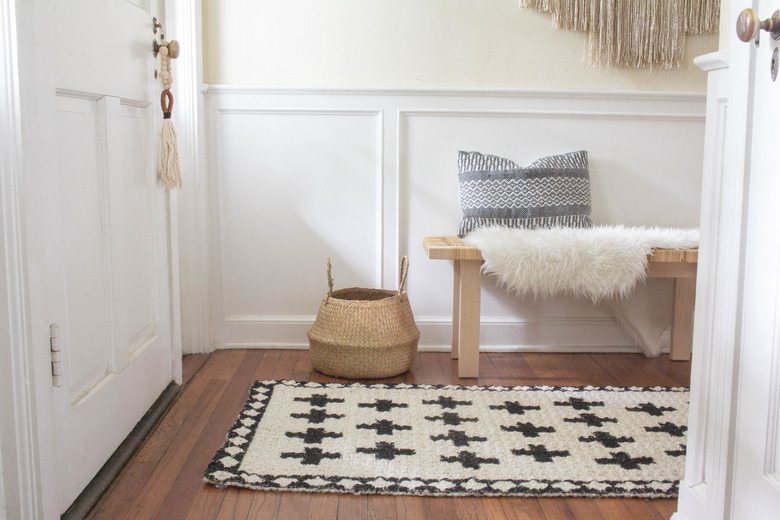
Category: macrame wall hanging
[633,33]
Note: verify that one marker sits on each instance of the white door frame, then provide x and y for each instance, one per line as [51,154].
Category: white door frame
[25,427]
[21,475]
[184,23]
[706,491]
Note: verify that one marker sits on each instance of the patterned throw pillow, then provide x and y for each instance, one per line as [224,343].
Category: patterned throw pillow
[552,191]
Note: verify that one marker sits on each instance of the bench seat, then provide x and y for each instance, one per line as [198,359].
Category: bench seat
[678,264]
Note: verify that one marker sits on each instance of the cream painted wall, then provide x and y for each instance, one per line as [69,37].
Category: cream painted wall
[725,22]
[413,43]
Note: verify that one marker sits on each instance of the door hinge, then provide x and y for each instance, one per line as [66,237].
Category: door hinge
[56,364]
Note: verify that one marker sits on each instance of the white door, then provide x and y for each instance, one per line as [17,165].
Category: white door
[757,446]
[97,224]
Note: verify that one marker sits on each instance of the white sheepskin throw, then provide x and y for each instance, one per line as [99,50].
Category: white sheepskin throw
[593,263]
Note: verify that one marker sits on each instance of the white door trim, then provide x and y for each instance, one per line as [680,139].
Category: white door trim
[21,475]
[183,21]
[706,491]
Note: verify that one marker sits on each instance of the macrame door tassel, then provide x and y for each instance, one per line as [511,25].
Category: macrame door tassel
[170,170]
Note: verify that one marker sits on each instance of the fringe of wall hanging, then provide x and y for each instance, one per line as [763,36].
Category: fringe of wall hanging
[633,33]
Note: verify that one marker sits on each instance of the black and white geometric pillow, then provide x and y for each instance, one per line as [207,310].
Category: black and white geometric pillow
[552,191]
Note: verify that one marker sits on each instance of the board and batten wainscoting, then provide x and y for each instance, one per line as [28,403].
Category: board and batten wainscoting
[297,175]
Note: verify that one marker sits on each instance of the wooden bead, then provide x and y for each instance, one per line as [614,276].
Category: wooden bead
[165,74]
[164,51]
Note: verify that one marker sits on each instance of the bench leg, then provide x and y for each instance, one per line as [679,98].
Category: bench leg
[682,319]
[469,295]
[455,308]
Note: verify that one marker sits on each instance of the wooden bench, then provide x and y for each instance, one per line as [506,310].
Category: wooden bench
[467,261]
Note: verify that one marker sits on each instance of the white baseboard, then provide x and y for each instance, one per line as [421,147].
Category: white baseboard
[447,348]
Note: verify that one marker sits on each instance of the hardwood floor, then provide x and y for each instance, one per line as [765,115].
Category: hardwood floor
[164,480]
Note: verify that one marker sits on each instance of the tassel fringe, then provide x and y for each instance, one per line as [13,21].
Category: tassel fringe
[633,33]
[170,169]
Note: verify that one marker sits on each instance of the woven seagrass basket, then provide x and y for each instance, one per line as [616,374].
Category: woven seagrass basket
[364,333]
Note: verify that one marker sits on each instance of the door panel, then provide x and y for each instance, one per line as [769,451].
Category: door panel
[82,241]
[757,482]
[96,209]
[134,223]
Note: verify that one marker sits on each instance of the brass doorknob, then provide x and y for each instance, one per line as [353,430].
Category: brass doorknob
[749,25]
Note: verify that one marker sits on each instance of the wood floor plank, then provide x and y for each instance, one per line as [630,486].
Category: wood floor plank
[190,365]
[228,510]
[538,364]
[205,506]
[134,475]
[267,368]
[440,508]
[665,507]
[294,505]
[303,368]
[323,506]
[471,507]
[493,508]
[381,507]
[619,509]
[522,509]
[142,503]
[489,374]
[286,367]
[579,370]
[583,507]
[417,372]
[242,507]
[448,368]
[353,507]
[409,507]
[164,479]
[189,484]
[556,509]
[432,368]
[264,506]
[635,370]
[510,366]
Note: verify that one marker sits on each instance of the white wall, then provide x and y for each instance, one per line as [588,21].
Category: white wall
[413,43]
[332,131]
[726,24]
[360,175]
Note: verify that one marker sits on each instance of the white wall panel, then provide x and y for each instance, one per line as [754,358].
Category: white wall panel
[362,174]
[294,188]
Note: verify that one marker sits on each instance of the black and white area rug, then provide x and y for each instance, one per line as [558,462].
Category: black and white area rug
[456,440]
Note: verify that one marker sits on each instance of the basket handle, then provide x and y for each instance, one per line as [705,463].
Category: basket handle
[330,281]
[404,271]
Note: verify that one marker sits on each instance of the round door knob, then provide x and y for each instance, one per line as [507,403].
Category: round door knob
[749,25]
[173,49]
